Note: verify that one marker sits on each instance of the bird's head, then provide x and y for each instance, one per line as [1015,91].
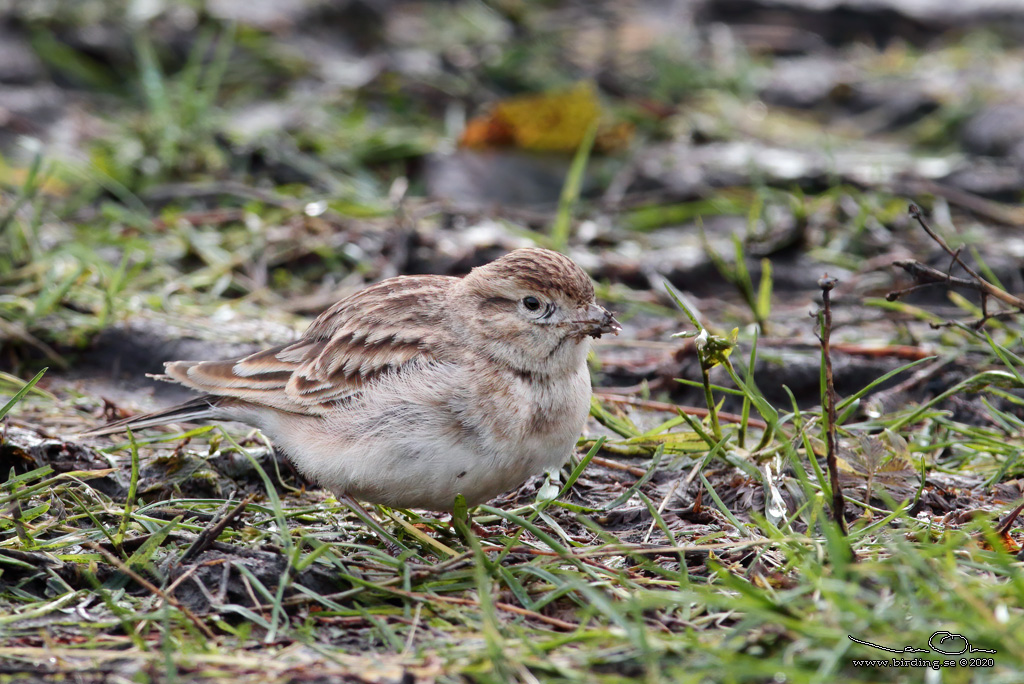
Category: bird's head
[534,310]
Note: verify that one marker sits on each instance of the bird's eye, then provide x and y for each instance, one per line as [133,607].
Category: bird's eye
[531,303]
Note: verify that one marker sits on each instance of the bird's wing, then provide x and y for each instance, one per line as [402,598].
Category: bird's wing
[385,327]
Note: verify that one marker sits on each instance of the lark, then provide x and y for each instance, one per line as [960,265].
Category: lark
[419,388]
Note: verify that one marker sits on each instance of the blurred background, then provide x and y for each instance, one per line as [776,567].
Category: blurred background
[180,174]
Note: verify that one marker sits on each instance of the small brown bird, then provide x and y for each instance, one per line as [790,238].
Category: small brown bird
[420,388]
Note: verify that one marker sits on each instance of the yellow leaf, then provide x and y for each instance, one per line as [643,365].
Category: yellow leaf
[555,121]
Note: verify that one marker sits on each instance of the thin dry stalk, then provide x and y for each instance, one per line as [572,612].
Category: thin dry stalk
[926,276]
[149,586]
[838,505]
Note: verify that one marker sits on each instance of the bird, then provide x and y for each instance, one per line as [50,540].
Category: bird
[419,388]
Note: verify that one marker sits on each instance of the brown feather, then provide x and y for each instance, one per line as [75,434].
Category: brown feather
[376,330]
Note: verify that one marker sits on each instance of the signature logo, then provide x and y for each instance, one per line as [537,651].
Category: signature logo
[945,643]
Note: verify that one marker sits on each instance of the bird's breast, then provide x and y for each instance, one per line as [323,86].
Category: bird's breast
[538,417]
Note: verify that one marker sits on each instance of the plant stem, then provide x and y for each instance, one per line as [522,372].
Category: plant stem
[838,505]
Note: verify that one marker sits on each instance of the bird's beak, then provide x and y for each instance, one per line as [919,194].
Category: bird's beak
[599,320]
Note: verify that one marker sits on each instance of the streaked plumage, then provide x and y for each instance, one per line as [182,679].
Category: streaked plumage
[419,388]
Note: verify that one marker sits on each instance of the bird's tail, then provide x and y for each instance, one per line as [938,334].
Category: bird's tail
[198,409]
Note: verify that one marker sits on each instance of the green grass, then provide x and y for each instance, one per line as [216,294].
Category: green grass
[761,601]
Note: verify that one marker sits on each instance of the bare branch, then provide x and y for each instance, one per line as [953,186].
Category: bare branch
[927,276]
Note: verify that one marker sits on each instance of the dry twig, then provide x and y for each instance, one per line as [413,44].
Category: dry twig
[210,534]
[926,276]
[838,505]
[157,591]
[673,408]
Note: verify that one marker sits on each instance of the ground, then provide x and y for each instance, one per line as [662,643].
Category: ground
[200,179]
